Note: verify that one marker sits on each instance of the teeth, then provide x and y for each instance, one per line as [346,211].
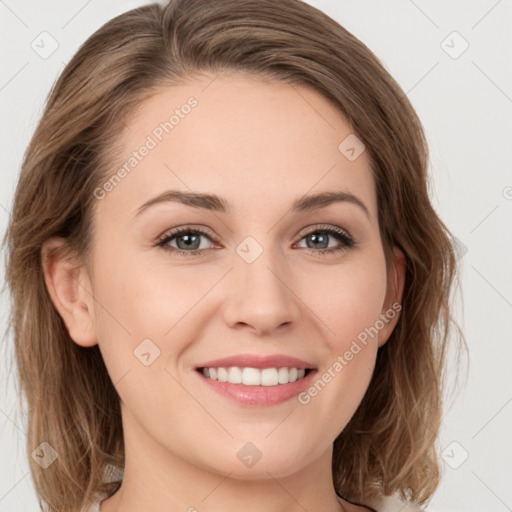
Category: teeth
[251,377]
[282,376]
[235,375]
[269,377]
[255,376]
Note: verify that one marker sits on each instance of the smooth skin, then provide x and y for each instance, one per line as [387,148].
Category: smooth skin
[260,145]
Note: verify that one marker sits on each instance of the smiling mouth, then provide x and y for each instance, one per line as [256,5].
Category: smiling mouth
[248,376]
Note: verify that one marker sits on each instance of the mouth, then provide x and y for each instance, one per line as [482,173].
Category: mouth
[256,380]
[250,376]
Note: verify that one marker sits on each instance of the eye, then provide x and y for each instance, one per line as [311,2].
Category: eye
[188,240]
[320,240]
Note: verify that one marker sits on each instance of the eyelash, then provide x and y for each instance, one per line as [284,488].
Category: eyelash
[342,236]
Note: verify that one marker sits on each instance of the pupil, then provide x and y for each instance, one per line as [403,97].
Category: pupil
[315,238]
[188,241]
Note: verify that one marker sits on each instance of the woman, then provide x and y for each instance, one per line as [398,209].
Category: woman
[226,271]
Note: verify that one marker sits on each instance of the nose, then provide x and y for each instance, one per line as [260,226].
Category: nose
[261,297]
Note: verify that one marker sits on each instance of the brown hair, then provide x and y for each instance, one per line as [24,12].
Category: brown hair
[390,443]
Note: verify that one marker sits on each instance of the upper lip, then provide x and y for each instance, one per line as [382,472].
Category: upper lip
[258,361]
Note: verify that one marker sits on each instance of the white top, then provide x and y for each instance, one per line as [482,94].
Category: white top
[395,504]
[95,507]
[388,504]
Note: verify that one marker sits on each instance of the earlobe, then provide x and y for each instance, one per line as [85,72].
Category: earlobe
[392,304]
[69,288]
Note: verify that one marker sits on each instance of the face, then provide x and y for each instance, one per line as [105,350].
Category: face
[253,275]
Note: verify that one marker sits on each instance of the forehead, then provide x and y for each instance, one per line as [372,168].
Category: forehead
[255,142]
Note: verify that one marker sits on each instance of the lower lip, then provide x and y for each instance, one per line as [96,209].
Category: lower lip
[259,396]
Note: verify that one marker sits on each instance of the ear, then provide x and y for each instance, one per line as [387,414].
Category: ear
[392,303]
[70,289]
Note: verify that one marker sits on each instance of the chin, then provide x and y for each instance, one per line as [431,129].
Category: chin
[248,463]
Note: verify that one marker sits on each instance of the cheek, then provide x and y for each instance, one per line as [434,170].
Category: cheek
[347,301]
[148,308]
[144,298]
[346,298]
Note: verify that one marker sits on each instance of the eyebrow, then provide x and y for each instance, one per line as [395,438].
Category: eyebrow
[218,204]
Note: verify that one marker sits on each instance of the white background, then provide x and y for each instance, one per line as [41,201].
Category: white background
[465,104]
